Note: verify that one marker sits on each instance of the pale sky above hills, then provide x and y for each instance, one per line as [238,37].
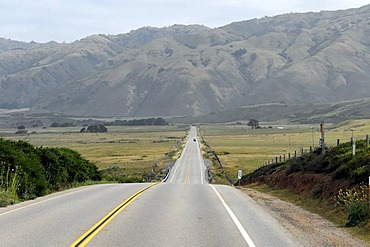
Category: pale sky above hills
[69,20]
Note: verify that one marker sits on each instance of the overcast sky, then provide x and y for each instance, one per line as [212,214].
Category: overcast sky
[69,20]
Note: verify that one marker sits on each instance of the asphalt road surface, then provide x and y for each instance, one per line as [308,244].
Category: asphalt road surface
[183,211]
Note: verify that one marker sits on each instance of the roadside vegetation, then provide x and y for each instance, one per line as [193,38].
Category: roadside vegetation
[337,177]
[333,184]
[27,171]
[241,147]
[122,154]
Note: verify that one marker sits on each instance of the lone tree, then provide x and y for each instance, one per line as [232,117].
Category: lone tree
[254,124]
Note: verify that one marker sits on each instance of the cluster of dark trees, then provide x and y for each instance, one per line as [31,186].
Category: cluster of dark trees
[39,170]
[134,122]
[255,124]
[239,53]
[98,128]
[138,122]
[21,130]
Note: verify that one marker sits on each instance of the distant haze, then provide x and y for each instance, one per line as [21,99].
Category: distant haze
[69,20]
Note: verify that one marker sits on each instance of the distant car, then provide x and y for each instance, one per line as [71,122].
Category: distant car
[194,139]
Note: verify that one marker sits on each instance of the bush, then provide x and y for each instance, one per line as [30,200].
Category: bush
[27,172]
[6,198]
[355,202]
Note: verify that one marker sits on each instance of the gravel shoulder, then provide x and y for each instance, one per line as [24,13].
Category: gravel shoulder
[308,228]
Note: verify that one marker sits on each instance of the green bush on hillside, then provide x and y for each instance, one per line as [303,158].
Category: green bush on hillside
[39,171]
[355,202]
[337,162]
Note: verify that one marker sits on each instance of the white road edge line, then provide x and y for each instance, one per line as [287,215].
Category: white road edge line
[178,161]
[168,174]
[240,227]
[201,163]
[174,173]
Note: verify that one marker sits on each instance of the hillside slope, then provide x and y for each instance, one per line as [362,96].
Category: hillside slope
[318,175]
[190,70]
[289,113]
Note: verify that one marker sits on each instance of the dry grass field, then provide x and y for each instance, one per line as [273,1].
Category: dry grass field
[240,147]
[134,150]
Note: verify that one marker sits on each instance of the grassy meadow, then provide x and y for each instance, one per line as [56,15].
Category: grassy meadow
[240,147]
[133,150]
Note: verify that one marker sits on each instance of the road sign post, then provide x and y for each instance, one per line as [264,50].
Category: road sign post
[322,138]
[240,174]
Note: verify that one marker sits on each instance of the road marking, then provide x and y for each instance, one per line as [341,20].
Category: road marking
[36,203]
[174,174]
[91,233]
[187,176]
[201,163]
[179,160]
[240,227]
[168,174]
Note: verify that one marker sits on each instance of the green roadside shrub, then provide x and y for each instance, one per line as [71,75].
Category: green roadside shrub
[27,172]
[355,202]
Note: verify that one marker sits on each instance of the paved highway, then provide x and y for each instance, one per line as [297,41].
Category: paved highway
[183,211]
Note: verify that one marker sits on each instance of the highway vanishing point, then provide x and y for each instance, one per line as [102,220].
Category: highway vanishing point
[185,210]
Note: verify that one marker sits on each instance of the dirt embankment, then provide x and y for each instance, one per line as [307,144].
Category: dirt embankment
[315,185]
[308,229]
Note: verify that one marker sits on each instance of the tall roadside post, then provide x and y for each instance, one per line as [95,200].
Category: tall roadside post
[353,143]
[322,138]
[240,174]
[313,141]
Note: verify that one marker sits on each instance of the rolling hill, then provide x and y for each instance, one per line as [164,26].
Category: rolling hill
[309,58]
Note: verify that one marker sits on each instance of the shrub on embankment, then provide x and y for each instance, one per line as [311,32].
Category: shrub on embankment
[27,171]
[319,176]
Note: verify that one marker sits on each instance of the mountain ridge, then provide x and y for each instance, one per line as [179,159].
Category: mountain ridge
[192,70]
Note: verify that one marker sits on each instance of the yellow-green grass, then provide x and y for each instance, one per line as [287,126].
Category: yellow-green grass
[133,149]
[240,147]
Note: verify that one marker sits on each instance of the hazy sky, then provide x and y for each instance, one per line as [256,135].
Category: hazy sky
[68,20]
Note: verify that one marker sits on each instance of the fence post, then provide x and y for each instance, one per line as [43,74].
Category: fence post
[367,140]
[276,159]
[295,154]
[338,142]
[280,158]
[302,151]
[289,156]
[310,149]
[284,158]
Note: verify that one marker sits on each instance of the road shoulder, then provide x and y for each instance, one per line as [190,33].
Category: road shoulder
[309,229]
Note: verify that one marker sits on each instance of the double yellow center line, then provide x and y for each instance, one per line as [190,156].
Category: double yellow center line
[90,234]
[187,177]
